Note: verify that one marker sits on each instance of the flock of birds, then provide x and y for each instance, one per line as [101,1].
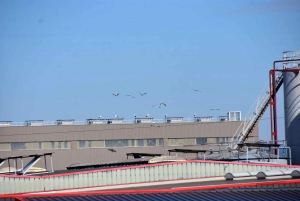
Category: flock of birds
[163,104]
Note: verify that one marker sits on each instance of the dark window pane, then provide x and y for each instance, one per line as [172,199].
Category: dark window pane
[18,145]
[200,141]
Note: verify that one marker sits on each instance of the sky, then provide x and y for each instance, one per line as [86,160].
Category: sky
[63,59]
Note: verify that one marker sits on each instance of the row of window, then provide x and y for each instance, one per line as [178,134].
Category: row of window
[80,144]
[119,143]
[34,145]
[83,144]
[200,141]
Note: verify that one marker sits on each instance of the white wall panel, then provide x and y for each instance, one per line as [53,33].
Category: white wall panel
[131,175]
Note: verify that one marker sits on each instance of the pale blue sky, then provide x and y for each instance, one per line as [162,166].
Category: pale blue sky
[63,59]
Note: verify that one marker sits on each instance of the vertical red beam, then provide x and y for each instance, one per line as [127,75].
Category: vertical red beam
[273,122]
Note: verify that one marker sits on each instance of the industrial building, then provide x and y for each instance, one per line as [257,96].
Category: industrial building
[102,140]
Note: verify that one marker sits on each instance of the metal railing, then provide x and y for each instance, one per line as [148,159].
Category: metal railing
[247,126]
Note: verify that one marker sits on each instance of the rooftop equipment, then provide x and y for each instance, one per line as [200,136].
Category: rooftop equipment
[203,119]
[174,119]
[143,120]
[114,121]
[94,121]
[223,118]
[65,122]
[34,122]
[5,123]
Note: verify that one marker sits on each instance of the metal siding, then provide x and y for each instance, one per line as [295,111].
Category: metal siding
[109,177]
[94,179]
[132,176]
[123,176]
[76,181]
[137,175]
[207,169]
[165,172]
[9,185]
[99,178]
[188,169]
[151,173]
[175,171]
[104,178]
[114,177]
[161,172]
[184,173]
[128,176]
[118,177]
[156,173]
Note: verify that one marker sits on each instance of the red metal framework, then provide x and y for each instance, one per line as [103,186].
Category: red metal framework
[273,90]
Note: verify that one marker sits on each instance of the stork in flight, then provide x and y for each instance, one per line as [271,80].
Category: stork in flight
[196,90]
[116,94]
[163,104]
[142,94]
[130,96]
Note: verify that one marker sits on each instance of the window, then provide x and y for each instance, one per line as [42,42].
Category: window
[5,147]
[181,141]
[81,144]
[90,144]
[200,141]
[151,142]
[235,116]
[116,143]
[18,146]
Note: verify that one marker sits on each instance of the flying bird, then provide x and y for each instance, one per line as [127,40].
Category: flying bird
[214,109]
[156,106]
[163,104]
[116,94]
[142,94]
[130,96]
[195,89]
[112,150]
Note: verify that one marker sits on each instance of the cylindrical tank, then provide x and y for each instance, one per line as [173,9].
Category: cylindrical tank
[291,85]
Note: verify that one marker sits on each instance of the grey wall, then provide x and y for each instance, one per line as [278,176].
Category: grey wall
[65,157]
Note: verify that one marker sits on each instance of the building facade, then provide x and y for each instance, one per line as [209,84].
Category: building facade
[92,143]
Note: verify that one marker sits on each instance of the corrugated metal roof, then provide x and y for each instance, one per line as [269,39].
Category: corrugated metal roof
[250,194]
